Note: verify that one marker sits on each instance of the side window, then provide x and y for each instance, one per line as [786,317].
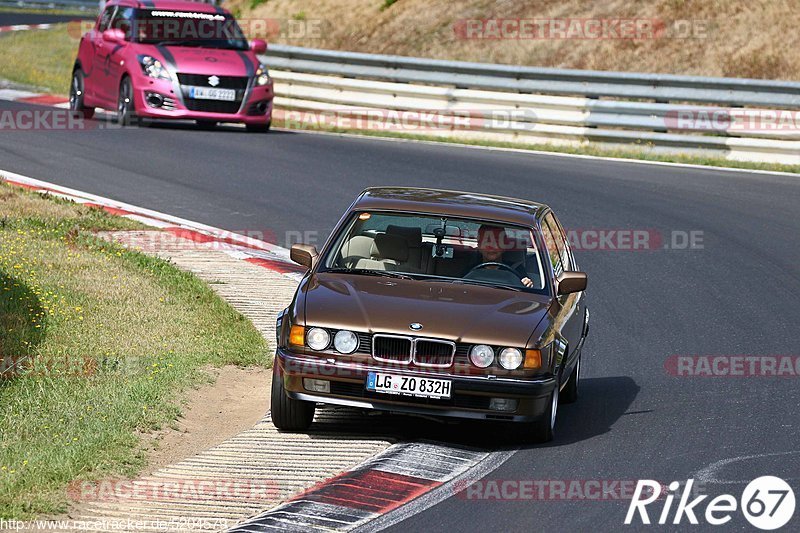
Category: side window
[552,249]
[123,20]
[561,242]
[105,18]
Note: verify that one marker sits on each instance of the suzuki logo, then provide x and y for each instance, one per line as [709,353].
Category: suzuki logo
[213,81]
[416,326]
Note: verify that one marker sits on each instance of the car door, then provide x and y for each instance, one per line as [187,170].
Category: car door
[101,75]
[121,20]
[569,312]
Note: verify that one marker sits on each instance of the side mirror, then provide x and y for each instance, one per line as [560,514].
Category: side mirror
[569,282]
[304,254]
[114,35]
[258,46]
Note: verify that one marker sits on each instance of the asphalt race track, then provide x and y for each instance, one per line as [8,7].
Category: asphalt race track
[736,294]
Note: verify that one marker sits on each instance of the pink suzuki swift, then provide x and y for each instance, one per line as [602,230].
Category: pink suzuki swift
[171,59]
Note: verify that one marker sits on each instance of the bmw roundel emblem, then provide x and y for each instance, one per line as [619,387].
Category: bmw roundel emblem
[416,326]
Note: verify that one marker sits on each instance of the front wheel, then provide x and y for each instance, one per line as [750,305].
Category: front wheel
[570,392]
[76,96]
[543,429]
[126,108]
[289,414]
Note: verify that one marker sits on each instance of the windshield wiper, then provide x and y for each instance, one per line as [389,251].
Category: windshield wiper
[370,272]
[177,43]
[485,284]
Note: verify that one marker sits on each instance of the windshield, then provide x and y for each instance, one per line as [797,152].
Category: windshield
[435,248]
[189,28]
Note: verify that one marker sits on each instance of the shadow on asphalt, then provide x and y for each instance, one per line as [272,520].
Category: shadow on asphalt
[220,128]
[602,402]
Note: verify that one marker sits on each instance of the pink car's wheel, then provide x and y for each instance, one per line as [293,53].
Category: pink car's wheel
[76,93]
[126,109]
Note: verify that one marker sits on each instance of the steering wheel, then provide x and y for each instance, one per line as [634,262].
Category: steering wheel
[491,264]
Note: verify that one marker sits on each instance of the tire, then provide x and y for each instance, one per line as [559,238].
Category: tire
[206,124]
[126,108]
[289,414]
[259,128]
[76,94]
[570,392]
[543,430]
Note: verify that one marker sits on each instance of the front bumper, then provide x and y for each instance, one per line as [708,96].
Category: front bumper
[254,106]
[469,399]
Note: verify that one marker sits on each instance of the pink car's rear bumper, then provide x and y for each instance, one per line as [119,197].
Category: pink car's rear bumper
[255,106]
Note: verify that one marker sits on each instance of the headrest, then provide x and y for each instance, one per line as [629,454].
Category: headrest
[390,247]
[411,234]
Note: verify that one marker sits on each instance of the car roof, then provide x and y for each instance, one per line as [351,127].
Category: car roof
[454,203]
[171,5]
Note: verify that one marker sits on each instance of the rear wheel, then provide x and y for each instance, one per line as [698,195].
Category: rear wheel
[289,414]
[126,108]
[259,128]
[76,93]
[570,392]
[542,430]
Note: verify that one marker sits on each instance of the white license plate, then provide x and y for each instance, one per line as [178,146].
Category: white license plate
[209,93]
[408,385]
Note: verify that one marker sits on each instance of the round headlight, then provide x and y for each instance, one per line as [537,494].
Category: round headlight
[345,341]
[481,355]
[317,339]
[510,358]
[262,75]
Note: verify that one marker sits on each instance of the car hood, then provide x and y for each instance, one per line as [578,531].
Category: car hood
[457,312]
[191,60]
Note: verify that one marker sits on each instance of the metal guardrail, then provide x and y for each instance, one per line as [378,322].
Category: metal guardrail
[78,5]
[545,105]
[589,83]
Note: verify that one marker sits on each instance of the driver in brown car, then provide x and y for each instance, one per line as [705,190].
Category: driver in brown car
[492,242]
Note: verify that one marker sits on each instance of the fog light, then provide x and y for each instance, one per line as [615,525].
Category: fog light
[503,404]
[317,385]
[154,99]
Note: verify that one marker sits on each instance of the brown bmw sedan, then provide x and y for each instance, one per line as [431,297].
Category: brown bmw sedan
[435,302]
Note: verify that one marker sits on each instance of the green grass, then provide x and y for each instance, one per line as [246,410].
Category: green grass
[109,340]
[41,59]
[255,3]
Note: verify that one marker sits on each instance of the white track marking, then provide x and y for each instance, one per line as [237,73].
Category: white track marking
[709,474]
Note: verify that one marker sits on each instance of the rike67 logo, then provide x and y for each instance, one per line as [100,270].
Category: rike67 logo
[767,503]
